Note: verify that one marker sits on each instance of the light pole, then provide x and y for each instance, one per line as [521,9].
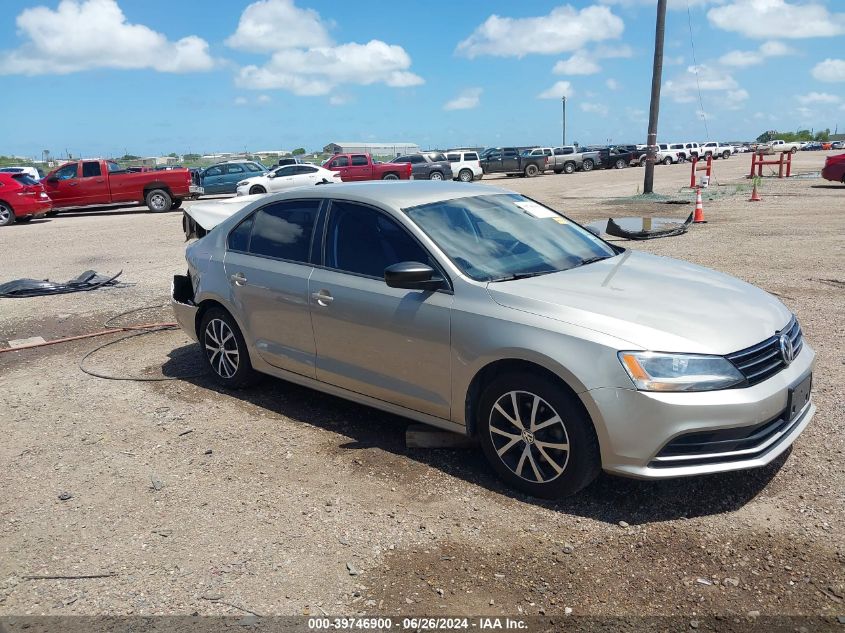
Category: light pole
[654,110]
[563,100]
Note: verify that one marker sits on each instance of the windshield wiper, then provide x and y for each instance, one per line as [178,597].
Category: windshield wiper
[514,276]
[592,260]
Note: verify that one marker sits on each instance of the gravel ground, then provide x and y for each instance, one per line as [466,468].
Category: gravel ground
[281,500]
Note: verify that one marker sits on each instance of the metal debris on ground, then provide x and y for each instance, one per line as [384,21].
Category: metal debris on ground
[89,280]
[647,228]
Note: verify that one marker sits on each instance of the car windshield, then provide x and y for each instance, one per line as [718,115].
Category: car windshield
[501,237]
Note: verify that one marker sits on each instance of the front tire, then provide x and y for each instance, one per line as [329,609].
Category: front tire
[726,155]
[465,175]
[224,350]
[667,160]
[793,150]
[158,201]
[176,203]
[537,436]
[256,189]
[620,164]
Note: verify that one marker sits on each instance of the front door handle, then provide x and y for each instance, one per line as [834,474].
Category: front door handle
[323,297]
[239,279]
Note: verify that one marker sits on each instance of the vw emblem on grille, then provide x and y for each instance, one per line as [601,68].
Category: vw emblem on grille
[787,352]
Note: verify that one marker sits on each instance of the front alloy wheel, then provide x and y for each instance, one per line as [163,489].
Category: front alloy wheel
[529,436]
[537,435]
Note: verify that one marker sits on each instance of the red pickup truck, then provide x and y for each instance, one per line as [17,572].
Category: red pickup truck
[354,167]
[85,183]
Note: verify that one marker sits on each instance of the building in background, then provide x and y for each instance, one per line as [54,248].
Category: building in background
[376,149]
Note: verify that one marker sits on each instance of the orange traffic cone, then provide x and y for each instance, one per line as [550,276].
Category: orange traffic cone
[755,196]
[698,218]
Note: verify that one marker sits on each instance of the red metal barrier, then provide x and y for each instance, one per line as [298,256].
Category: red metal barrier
[708,168]
[785,160]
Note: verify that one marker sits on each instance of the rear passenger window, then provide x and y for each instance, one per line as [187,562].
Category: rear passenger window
[470,156]
[239,237]
[358,160]
[235,169]
[252,167]
[283,230]
[90,170]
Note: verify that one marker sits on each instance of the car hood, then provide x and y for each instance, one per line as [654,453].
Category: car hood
[655,303]
[210,213]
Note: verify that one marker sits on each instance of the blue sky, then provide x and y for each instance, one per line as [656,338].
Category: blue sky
[100,77]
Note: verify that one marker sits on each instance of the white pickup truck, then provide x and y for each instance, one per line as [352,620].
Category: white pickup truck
[774,147]
[716,150]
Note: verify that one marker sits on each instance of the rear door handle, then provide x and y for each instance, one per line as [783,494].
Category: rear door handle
[239,279]
[323,297]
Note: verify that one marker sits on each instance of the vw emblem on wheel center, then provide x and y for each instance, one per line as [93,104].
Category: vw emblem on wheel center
[787,352]
[528,436]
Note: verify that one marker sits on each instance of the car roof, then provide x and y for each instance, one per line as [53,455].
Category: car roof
[399,195]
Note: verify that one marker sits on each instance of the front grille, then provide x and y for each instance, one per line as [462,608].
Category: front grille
[761,361]
[721,446]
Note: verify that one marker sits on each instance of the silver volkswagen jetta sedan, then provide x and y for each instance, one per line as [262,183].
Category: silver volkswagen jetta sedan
[478,310]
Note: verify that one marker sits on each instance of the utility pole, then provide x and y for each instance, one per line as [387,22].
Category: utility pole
[654,109]
[563,99]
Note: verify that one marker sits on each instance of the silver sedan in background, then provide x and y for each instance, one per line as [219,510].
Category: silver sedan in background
[478,310]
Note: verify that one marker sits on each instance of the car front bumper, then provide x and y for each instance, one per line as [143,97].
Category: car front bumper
[743,428]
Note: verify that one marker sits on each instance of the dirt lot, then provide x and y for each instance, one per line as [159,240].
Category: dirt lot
[281,500]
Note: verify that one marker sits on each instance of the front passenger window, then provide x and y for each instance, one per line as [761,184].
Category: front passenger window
[365,241]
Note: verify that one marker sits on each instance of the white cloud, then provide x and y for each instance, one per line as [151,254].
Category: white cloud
[612,84]
[467,100]
[735,99]
[264,99]
[830,70]
[273,25]
[677,60]
[742,59]
[558,90]
[579,64]
[818,97]
[684,88]
[672,4]
[241,101]
[309,63]
[563,29]
[86,34]
[764,18]
[595,108]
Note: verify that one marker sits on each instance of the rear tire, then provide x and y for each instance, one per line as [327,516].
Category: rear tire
[667,160]
[390,177]
[793,150]
[726,154]
[435,175]
[158,200]
[543,458]
[531,171]
[620,164]
[569,168]
[7,216]
[588,165]
[256,189]
[465,175]
[224,350]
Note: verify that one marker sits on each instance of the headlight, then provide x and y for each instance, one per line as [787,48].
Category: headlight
[243,182]
[657,371]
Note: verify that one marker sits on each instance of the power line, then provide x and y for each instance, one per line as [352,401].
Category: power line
[695,69]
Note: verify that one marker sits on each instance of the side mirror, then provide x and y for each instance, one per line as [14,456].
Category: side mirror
[52,179]
[271,174]
[412,276]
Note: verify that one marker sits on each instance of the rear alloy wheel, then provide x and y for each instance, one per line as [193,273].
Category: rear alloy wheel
[6,214]
[465,175]
[158,201]
[569,168]
[256,189]
[390,177]
[435,175]
[531,171]
[620,164]
[536,436]
[224,350]
[588,165]
[667,160]
[793,150]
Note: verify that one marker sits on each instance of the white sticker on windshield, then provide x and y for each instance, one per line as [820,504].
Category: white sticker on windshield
[536,210]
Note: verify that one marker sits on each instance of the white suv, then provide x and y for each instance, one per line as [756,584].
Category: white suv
[465,165]
[668,153]
[716,150]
